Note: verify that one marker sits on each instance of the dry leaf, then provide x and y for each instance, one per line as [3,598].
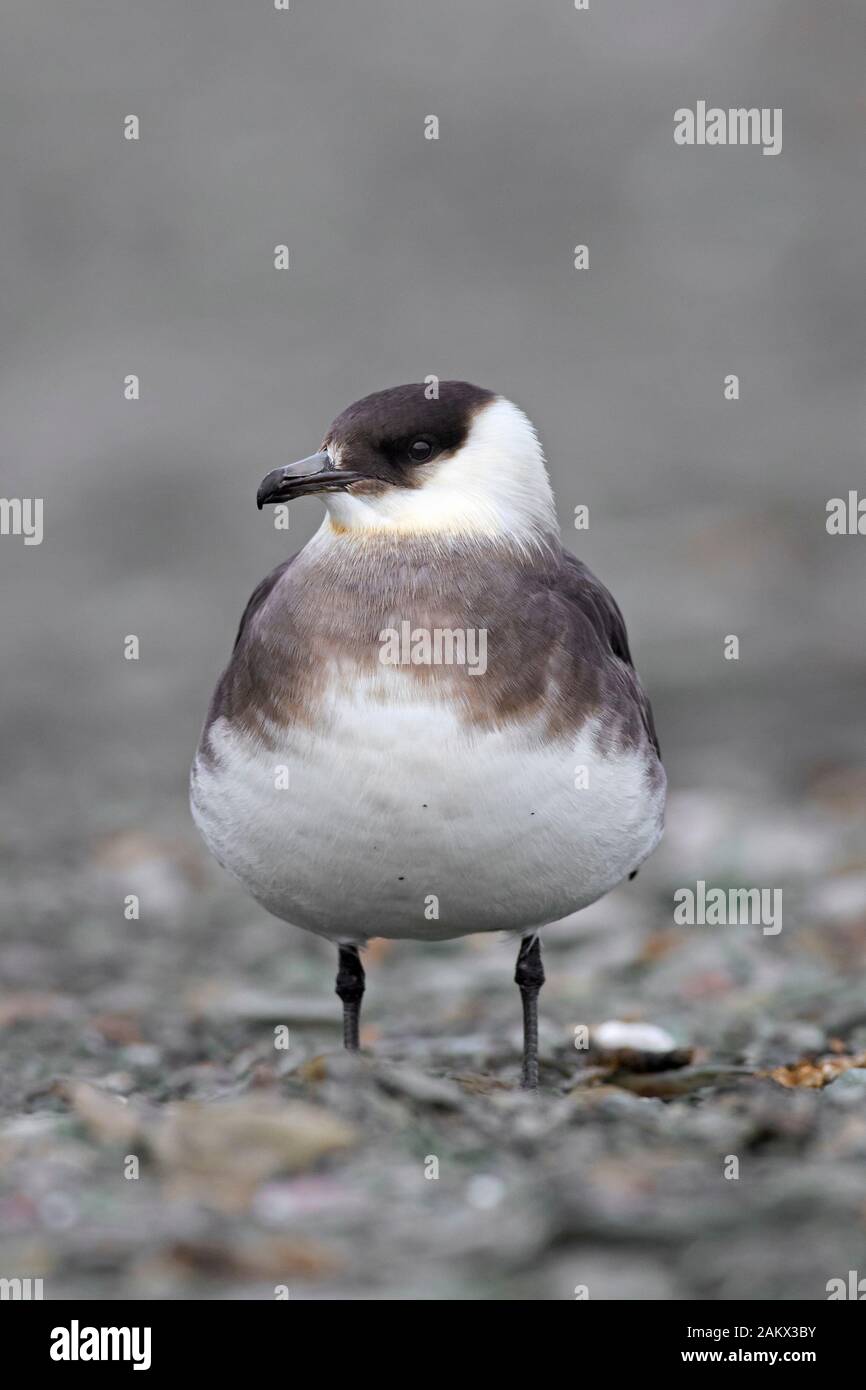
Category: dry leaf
[667,1084]
[315,1069]
[109,1118]
[377,948]
[814,1074]
[119,1028]
[30,1005]
[268,1257]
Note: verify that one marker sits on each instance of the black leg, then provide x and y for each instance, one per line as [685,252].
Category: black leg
[529,975]
[350,987]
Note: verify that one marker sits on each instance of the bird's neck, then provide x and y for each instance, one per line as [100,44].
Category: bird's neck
[431,557]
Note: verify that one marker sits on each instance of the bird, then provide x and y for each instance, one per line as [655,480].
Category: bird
[430,724]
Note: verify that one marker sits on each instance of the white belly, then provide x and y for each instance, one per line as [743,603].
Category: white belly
[399,821]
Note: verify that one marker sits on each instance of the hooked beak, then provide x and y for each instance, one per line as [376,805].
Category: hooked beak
[313,474]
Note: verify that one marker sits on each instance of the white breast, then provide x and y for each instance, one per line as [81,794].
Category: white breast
[393,819]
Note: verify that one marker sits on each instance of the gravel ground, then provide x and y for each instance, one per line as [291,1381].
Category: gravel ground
[418,1170]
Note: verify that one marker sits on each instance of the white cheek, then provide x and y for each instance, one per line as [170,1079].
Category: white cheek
[443,503]
[496,485]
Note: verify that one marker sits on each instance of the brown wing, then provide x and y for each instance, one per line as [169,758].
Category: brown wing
[231,698]
[258,596]
[595,604]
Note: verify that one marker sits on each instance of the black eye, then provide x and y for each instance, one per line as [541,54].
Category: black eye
[420,450]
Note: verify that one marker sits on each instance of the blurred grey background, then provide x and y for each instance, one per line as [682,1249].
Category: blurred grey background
[411,257]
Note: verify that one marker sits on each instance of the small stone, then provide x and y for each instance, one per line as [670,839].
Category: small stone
[848,1089]
[485,1191]
[642,1037]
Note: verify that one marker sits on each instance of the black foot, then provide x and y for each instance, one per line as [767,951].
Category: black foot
[350,987]
[529,975]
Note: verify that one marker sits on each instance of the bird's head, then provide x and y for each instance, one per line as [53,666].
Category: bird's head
[447,459]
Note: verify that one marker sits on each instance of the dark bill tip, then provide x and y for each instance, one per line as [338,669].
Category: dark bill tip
[313,474]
